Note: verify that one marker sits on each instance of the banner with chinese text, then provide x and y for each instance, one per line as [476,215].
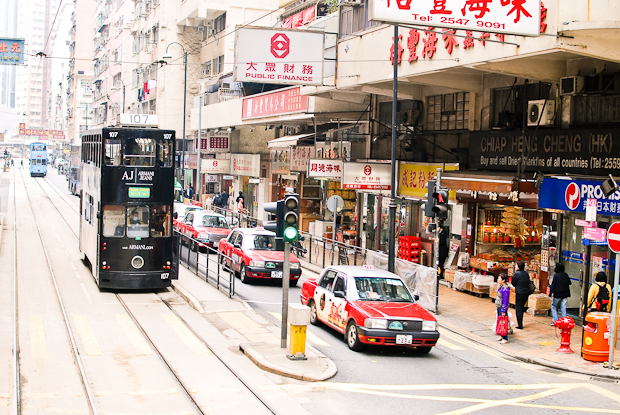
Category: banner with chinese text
[371,176]
[300,157]
[412,178]
[325,168]
[287,101]
[11,51]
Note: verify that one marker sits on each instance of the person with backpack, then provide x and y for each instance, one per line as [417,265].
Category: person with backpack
[600,294]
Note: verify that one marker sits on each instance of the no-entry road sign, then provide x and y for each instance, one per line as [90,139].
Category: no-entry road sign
[613,237]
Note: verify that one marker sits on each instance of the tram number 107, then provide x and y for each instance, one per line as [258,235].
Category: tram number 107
[138,119]
[165,275]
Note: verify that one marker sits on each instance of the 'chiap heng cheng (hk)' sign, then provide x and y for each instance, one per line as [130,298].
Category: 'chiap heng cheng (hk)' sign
[577,151]
[518,17]
[279,56]
[573,195]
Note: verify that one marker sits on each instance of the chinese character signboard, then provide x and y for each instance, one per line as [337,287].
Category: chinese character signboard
[280,161]
[518,17]
[573,196]
[412,178]
[325,168]
[377,176]
[279,56]
[216,142]
[214,166]
[211,178]
[287,101]
[245,164]
[300,157]
[42,134]
[11,51]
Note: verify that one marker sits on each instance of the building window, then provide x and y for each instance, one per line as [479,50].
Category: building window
[507,107]
[219,24]
[595,109]
[448,112]
[205,69]
[354,19]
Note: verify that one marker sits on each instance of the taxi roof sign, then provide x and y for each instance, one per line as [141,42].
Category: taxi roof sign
[259,228]
[370,267]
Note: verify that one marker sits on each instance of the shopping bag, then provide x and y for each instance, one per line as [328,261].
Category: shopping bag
[501,328]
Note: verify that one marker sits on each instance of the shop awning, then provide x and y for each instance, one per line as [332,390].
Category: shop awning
[286,141]
[485,182]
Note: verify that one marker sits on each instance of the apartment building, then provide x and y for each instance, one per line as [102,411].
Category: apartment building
[8,28]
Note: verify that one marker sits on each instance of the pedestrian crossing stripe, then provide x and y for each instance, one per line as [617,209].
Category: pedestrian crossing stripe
[89,341]
[186,335]
[38,343]
[134,336]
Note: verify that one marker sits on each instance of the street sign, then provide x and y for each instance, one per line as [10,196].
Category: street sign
[591,210]
[613,237]
[595,234]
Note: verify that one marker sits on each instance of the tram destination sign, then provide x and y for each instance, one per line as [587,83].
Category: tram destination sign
[139,192]
[548,151]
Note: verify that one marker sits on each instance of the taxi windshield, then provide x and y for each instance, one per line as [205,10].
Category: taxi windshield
[214,222]
[261,243]
[381,289]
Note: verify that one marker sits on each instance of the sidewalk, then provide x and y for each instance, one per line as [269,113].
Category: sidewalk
[473,317]
[257,337]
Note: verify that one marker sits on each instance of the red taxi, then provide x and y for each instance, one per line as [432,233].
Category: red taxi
[252,253]
[369,306]
[180,210]
[205,226]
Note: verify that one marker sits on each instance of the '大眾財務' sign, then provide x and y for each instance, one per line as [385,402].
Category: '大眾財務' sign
[518,17]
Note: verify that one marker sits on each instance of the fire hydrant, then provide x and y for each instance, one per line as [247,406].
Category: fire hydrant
[565,324]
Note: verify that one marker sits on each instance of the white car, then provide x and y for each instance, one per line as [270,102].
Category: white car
[181,209]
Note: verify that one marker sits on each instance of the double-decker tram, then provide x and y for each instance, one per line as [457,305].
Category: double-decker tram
[38,159]
[127,201]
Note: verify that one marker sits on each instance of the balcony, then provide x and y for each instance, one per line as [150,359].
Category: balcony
[227,94]
[195,12]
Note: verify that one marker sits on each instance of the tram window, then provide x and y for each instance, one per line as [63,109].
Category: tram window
[160,221]
[112,152]
[43,162]
[140,152]
[113,221]
[138,222]
[164,154]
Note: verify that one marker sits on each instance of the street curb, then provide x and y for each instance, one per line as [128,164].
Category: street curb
[191,300]
[527,359]
[271,367]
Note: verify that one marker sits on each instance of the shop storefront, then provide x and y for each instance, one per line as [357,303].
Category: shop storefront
[246,169]
[215,173]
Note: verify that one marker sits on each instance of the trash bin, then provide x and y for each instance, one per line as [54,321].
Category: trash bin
[595,343]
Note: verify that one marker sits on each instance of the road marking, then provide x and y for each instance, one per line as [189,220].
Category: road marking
[449,345]
[133,335]
[86,292]
[38,344]
[310,336]
[186,335]
[73,265]
[89,341]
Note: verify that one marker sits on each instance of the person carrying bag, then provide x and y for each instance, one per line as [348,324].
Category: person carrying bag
[501,304]
[599,296]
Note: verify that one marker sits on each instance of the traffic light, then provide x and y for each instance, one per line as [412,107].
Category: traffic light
[430,201]
[277,210]
[440,201]
[291,217]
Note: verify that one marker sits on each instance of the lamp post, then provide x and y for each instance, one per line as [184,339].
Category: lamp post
[166,56]
[115,88]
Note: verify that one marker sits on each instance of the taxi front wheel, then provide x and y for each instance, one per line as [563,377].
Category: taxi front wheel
[313,317]
[352,338]
[244,278]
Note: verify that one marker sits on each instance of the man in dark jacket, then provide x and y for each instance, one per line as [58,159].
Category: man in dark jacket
[224,198]
[521,282]
[560,291]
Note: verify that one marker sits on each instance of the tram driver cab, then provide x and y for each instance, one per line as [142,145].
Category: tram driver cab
[138,222]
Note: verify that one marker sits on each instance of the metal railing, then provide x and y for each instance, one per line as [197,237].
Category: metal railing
[324,251]
[226,94]
[206,265]
[238,219]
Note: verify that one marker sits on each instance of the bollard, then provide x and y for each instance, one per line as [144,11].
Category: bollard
[565,324]
[298,319]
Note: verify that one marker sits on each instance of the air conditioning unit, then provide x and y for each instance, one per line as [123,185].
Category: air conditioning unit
[351,2]
[571,85]
[208,24]
[537,115]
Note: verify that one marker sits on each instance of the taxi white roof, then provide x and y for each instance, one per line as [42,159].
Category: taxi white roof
[360,271]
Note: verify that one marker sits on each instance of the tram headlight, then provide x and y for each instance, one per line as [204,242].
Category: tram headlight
[137,262]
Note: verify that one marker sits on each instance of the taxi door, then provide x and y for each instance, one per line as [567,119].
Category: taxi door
[237,253]
[321,294]
[337,315]
[226,246]
[187,224]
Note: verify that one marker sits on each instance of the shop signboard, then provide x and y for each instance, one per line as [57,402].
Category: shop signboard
[42,134]
[595,234]
[245,164]
[371,176]
[413,177]
[572,196]
[279,56]
[211,178]
[280,161]
[216,142]
[548,151]
[519,17]
[12,51]
[591,210]
[214,166]
[270,104]
[300,157]
[325,168]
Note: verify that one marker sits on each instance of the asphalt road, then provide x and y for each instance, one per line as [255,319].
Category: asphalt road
[457,377]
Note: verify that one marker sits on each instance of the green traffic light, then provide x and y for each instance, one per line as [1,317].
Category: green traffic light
[290,234]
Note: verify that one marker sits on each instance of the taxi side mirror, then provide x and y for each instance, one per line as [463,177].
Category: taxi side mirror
[237,246]
[339,294]
[416,297]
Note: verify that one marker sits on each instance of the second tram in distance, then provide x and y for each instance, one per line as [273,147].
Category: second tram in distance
[38,159]
[126,207]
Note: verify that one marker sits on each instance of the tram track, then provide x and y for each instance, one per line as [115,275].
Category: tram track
[183,389]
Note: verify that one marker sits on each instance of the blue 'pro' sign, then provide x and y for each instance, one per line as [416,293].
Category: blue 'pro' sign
[573,195]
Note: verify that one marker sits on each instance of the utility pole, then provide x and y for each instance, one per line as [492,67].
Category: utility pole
[392,207]
[285,287]
[198,181]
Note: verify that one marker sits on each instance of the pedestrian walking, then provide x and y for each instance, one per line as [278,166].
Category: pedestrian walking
[599,294]
[224,198]
[240,197]
[521,282]
[501,304]
[560,291]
